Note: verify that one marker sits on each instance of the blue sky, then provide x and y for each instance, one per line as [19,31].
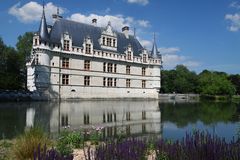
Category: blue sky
[201,34]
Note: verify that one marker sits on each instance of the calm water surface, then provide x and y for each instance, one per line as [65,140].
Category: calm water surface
[135,118]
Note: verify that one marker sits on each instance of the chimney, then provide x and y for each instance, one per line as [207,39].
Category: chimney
[94,21]
[125,30]
[56,17]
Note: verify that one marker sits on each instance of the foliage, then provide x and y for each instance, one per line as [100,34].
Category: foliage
[51,154]
[235,80]
[10,68]
[5,149]
[180,80]
[215,83]
[24,46]
[199,145]
[127,149]
[64,144]
[26,143]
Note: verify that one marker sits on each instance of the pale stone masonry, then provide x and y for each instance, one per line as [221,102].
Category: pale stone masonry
[77,60]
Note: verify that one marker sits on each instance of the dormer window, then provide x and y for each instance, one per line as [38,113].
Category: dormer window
[66,42]
[108,38]
[66,45]
[108,42]
[129,56]
[144,58]
[103,39]
[88,45]
[114,42]
[88,48]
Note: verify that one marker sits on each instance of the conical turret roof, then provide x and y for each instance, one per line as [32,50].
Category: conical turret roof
[154,53]
[43,31]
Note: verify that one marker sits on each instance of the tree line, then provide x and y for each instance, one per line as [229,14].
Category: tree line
[12,63]
[178,80]
[182,80]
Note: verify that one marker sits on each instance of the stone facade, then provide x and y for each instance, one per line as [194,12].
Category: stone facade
[102,64]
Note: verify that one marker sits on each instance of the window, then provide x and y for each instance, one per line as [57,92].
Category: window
[104,41]
[128,116]
[115,82]
[143,83]
[104,118]
[127,69]
[114,42]
[87,65]
[65,79]
[110,82]
[86,80]
[104,81]
[109,117]
[86,119]
[108,41]
[115,68]
[104,67]
[143,115]
[88,48]
[143,71]
[37,62]
[129,56]
[143,128]
[110,67]
[35,42]
[144,58]
[66,45]
[128,83]
[64,120]
[65,62]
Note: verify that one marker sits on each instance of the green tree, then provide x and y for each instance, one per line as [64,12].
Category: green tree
[235,80]
[180,80]
[215,83]
[24,46]
[10,68]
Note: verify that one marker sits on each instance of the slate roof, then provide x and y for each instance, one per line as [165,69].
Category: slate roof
[79,31]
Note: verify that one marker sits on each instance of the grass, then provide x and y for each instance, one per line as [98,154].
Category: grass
[25,144]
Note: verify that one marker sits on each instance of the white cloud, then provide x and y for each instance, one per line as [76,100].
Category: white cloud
[145,43]
[235,4]
[171,58]
[234,21]
[141,2]
[143,23]
[170,50]
[32,11]
[117,21]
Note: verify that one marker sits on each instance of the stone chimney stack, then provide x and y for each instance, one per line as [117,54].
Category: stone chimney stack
[125,30]
[94,21]
[56,17]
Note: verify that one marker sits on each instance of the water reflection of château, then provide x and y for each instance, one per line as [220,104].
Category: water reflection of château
[135,118]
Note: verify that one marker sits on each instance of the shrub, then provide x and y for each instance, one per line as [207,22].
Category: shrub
[51,154]
[121,150]
[199,145]
[64,145]
[25,144]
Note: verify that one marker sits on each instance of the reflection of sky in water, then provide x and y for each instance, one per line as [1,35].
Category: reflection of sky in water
[226,130]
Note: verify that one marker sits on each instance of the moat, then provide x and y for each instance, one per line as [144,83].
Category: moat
[133,118]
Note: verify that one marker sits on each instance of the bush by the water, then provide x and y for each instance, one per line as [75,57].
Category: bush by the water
[197,146]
